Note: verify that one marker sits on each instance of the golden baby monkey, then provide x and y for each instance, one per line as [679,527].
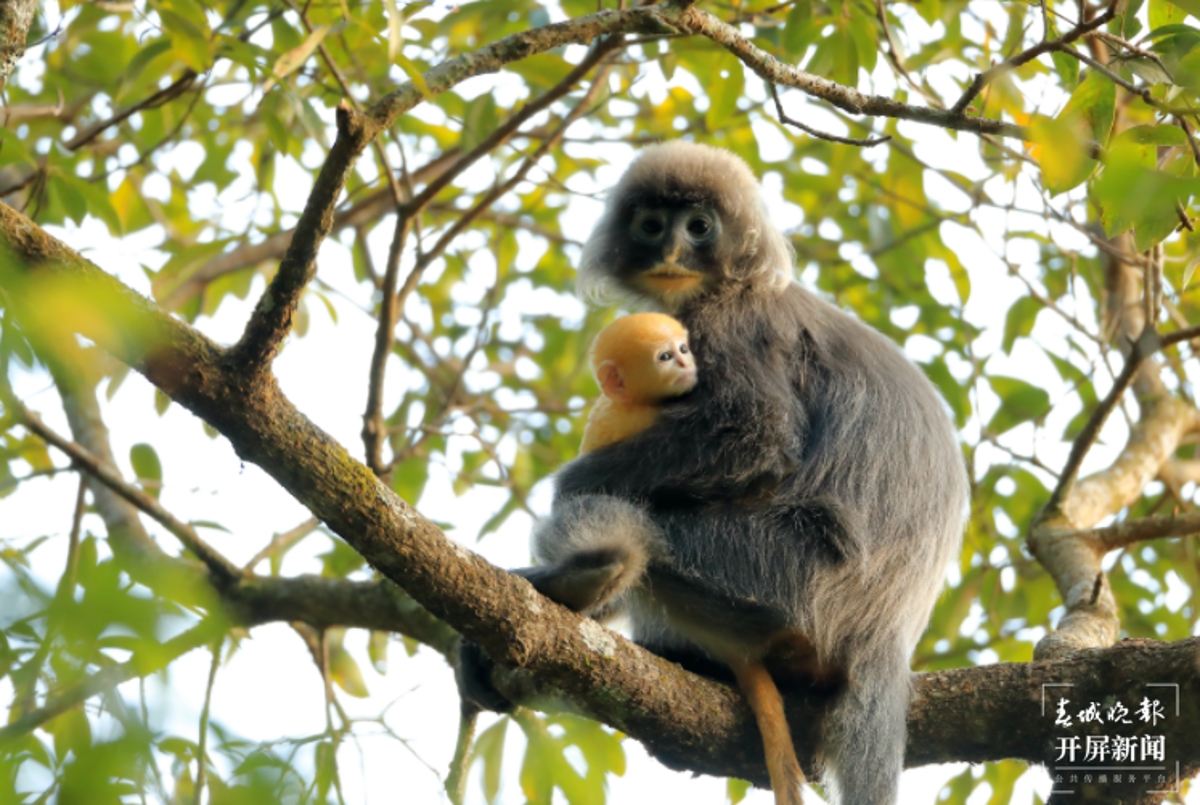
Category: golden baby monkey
[640,361]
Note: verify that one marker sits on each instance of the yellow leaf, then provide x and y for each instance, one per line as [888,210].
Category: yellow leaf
[291,61]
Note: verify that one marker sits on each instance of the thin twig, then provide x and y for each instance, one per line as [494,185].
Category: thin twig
[202,743]
[1182,215]
[456,778]
[168,93]
[1183,124]
[496,192]
[25,678]
[1150,55]
[282,542]
[393,302]
[981,80]
[893,54]
[1147,344]
[137,666]
[821,135]
[1129,86]
[222,569]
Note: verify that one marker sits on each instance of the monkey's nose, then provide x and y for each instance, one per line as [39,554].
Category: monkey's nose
[672,249]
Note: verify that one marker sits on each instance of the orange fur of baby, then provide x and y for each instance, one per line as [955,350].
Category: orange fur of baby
[630,359]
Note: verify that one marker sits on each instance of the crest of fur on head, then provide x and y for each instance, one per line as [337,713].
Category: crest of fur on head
[687,171]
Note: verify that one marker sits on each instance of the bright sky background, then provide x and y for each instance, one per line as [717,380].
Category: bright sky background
[271,689]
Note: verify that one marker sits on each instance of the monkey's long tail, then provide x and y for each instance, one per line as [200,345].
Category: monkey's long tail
[782,766]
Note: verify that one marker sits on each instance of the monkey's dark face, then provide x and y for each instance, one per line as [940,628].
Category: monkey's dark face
[684,221]
[675,249]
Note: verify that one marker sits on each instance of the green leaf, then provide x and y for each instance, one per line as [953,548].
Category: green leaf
[1129,22]
[736,790]
[1019,402]
[294,59]
[1067,68]
[480,120]
[147,467]
[1019,321]
[189,34]
[1133,194]
[952,391]
[1163,12]
[728,82]
[1187,71]
[342,667]
[1062,144]
[1190,6]
[489,748]
[340,560]
[409,477]
[865,43]
[72,732]
[377,650]
[1148,70]
[544,70]
[325,757]
[799,30]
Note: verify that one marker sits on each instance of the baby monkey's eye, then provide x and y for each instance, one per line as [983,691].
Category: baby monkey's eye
[665,355]
[683,349]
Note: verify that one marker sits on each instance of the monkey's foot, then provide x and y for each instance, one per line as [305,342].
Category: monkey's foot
[474,676]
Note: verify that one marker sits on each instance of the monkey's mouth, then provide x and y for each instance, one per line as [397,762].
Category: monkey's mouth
[669,277]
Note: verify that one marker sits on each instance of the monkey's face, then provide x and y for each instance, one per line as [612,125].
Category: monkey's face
[675,249]
[664,369]
[684,221]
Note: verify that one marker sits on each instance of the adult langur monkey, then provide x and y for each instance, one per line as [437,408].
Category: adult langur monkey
[795,512]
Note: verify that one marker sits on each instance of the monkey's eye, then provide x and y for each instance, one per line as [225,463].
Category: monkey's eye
[683,349]
[648,225]
[702,227]
[665,356]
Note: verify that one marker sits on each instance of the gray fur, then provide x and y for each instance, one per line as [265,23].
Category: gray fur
[811,484]
[597,533]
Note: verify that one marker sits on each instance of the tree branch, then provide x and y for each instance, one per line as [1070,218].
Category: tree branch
[1060,536]
[223,571]
[845,98]
[1140,530]
[1047,45]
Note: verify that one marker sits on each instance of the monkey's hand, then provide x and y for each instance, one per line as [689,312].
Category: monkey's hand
[668,465]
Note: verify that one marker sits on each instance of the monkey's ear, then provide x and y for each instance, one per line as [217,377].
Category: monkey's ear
[611,381]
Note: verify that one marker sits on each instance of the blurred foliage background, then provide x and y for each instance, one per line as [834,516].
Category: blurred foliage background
[175,142]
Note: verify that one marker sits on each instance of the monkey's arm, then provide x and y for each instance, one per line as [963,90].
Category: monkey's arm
[687,455]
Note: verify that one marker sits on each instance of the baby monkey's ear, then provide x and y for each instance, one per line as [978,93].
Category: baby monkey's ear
[612,382]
